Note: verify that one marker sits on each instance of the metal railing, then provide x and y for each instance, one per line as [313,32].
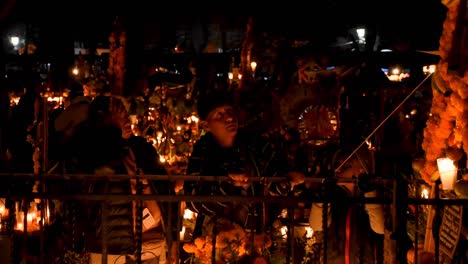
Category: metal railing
[13,189]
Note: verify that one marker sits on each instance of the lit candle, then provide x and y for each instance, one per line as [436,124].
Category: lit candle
[309,232]
[182,233]
[448,173]
[284,232]
[425,194]
[188,214]
[30,218]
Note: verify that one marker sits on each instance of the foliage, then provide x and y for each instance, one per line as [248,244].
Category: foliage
[233,244]
[72,257]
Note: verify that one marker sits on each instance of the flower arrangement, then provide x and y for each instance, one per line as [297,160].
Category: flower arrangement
[232,244]
[445,131]
[72,257]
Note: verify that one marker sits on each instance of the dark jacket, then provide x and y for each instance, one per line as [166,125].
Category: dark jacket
[252,154]
[104,147]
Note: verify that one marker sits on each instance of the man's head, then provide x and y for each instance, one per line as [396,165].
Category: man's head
[76,90]
[110,111]
[217,115]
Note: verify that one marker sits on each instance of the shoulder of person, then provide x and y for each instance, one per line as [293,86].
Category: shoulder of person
[204,141]
[138,141]
[245,136]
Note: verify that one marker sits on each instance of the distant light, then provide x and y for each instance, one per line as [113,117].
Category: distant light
[253,65]
[429,69]
[75,71]
[330,68]
[396,74]
[386,50]
[14,41]
[361,32]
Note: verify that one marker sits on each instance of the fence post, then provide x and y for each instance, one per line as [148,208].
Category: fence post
[399,219]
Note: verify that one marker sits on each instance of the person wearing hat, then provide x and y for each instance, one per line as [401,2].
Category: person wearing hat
[104,145]
[75,113]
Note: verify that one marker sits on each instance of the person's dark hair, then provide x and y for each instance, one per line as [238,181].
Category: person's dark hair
[103,105]
[99,105]
[76,89]
[207,102]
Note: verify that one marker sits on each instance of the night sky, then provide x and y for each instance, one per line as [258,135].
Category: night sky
[418,22]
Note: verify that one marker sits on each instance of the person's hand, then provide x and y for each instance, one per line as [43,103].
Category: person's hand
[178,186]
[295,178]
[239,179]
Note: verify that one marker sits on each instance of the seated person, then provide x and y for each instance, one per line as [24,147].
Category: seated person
[355,231]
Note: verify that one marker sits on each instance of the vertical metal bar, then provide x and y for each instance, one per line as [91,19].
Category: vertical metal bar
[169,229]
[45,166]
[213,240]
[14,210]
[25,230]
[290,238]
[394,206]
[416,234]
[437,226]
[179,227]
[105,228]
[45,136]
[325,221]
[41,231]
[139,222]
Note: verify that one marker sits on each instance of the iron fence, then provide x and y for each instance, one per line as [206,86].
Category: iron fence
[16,188]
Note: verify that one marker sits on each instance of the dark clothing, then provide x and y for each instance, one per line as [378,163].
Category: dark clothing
[25,119]
[251,154]
[95,148]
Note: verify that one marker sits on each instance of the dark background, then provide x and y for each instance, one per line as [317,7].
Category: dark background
[418,22]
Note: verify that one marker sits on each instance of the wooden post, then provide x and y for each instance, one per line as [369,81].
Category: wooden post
[429,244]
[247,45]
[117,58]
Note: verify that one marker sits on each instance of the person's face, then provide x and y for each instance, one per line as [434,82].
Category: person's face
[222,121]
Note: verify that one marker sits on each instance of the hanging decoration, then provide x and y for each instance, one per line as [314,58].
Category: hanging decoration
[446,132]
